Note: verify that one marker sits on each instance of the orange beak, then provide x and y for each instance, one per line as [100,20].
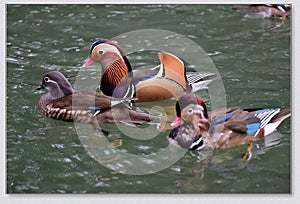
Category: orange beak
[89,62]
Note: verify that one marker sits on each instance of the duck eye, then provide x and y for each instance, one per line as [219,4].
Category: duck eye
[46,79]
[190,111]
[101,52]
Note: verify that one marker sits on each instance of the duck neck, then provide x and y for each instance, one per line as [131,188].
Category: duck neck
[114,75]
[195,123]
[54,93]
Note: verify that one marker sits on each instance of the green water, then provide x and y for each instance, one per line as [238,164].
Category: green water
[47,156]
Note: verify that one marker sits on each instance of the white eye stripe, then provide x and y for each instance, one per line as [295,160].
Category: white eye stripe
[195,109]
[47,79]
[200,107]
[108,48]
[202,115]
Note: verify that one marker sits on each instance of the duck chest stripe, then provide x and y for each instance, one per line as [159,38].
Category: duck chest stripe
[130,91]
[53,112]
[64,114]
[68,115]
[60,113]
[115,73]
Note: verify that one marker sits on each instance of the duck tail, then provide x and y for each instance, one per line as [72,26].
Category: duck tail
[173,68]
[281,116]
[271,121]
[200,80]
[276,121]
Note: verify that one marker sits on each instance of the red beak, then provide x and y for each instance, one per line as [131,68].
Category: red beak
[89,62]
[176,122]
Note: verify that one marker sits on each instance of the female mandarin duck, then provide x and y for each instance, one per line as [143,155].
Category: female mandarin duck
[63,103]
[165,81]
[269,10]
[196,129]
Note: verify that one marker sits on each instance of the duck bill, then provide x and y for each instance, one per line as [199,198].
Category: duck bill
[41,86]
[89,62]
[176,122]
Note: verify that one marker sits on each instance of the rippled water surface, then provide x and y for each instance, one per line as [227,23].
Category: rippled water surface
[48,156]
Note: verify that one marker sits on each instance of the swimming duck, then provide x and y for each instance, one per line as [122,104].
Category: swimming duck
[166,81]
[269,10]
[195,129]
[63,103]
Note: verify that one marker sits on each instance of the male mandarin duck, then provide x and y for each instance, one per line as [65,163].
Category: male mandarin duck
[269,10]
[166,81]
[63,103]
[195,129]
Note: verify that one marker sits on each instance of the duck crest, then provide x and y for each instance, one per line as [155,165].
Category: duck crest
[97,42]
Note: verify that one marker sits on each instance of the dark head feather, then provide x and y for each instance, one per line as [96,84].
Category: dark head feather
[100,41]
[188,99]
[97,42]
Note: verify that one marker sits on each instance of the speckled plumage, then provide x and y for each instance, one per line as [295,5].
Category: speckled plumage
[222,128]
[188,136]
[84,105]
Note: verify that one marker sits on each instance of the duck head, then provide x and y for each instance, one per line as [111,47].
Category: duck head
[192,125]
[106,52]
[191,113]
[187,107]
[115,67]
[57,85]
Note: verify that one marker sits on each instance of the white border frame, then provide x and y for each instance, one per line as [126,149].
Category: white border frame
[157,198]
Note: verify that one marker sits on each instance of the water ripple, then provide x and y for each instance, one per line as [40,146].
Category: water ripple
[46,156]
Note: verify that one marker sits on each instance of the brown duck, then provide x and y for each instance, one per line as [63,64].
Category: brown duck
[268,10]
[196,129]
[63,103]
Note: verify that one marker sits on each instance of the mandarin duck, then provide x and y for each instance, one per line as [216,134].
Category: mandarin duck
[166,81]
[195,129]
[269,10]
[63,103]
